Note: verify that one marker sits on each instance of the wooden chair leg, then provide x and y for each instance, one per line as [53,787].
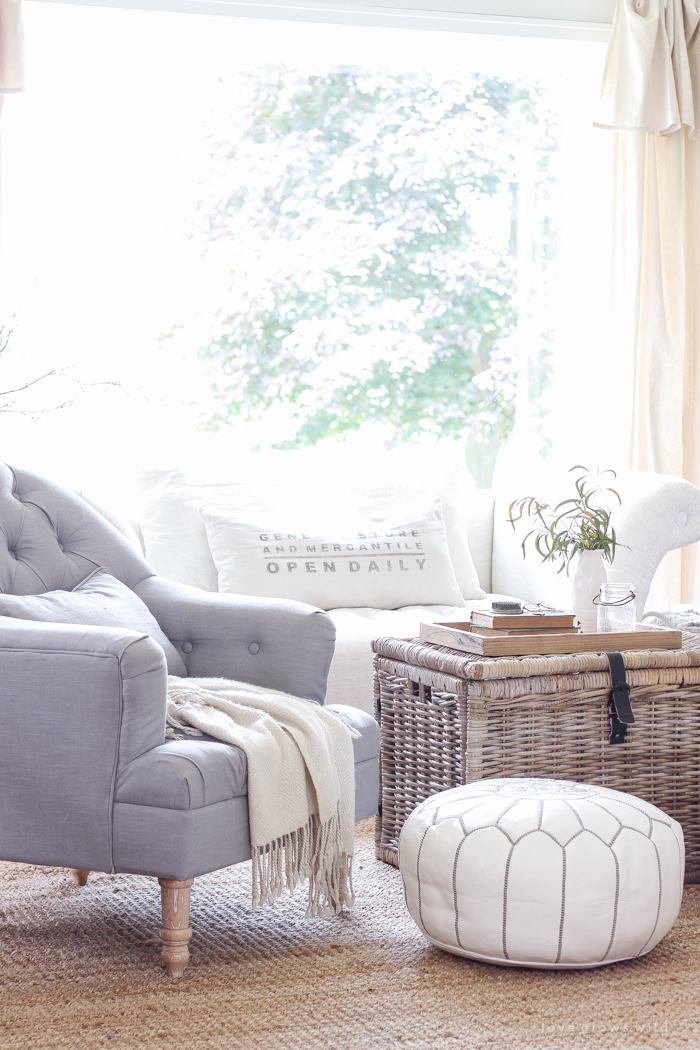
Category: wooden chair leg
[176,932]
[80,876]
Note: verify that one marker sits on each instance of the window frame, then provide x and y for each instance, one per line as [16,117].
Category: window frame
[583,19]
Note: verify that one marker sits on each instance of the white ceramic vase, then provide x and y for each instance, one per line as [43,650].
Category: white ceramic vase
[586,573]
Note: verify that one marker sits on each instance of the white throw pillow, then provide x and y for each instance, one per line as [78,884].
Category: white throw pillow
[174,537]
[365,499]
[100,600]
[384,563]
[266,485]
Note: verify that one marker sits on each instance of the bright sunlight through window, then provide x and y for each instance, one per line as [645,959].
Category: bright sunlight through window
[232,233]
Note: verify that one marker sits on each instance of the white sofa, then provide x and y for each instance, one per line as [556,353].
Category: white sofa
[658,513]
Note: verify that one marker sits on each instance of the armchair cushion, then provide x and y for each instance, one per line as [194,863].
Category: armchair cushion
[190,774]
[182,809]
[100,600]
[184,774]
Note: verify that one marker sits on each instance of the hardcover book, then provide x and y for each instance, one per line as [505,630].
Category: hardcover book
[501,631]
[519,621]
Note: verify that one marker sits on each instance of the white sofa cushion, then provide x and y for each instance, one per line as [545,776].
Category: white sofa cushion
[385,561]
[174,534]
[420,473]
[479,518]
[350,679]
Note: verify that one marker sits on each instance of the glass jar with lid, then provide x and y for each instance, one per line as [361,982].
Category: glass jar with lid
[617,609]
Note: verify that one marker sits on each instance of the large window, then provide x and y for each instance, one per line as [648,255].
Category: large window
[293,234]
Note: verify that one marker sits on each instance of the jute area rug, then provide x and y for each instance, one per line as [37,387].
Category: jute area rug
[79,969]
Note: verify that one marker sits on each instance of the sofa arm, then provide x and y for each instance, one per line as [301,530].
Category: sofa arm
[278,644]
[75,703]
[658,513]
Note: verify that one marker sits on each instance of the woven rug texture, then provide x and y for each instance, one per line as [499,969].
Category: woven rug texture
[80,969]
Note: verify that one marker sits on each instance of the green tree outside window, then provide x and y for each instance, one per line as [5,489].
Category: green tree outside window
[367,283]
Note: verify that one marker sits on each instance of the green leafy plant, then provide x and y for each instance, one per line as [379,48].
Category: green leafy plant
[365,287]
[580,523]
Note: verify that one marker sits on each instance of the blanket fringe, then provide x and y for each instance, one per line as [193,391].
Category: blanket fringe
[312,852]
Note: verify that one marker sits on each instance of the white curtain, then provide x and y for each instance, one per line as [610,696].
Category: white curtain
[11,64]
[11,50]
[651,99]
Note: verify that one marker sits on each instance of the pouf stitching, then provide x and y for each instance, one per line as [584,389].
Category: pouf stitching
[586,793]
[562,847]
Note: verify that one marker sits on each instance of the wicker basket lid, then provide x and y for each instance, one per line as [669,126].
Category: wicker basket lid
[478,668]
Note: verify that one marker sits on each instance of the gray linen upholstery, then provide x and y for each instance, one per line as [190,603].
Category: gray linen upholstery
[279,644]
[86,777]
[100,600]
[366,788]
[50,539]
[182,844]
[184,774]
[177,844]
[171,804]
[82,700]
[367,746]
[190,774]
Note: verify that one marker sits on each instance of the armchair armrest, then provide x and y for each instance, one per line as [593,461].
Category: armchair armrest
[278,644]
[75,704]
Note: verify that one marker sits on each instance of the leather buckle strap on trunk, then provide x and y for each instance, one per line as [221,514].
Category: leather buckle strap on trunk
[619,704]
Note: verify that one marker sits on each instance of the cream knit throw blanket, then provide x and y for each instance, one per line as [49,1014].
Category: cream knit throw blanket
[301,782]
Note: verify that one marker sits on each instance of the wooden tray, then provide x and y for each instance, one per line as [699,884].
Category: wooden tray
[466,639]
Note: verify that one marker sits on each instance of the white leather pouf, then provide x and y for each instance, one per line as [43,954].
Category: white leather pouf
[543,873]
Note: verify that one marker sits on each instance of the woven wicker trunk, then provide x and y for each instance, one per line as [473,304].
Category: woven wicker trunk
[448,718]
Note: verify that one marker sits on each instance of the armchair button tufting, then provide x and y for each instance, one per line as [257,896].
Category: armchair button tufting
[254,648]
[187,647]
[682,519]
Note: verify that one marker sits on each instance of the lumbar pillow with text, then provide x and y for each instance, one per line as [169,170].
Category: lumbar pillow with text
[267,485]
[100,600]
[384,562]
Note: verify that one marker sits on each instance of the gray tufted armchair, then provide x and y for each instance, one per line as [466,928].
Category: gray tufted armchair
[87,780]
